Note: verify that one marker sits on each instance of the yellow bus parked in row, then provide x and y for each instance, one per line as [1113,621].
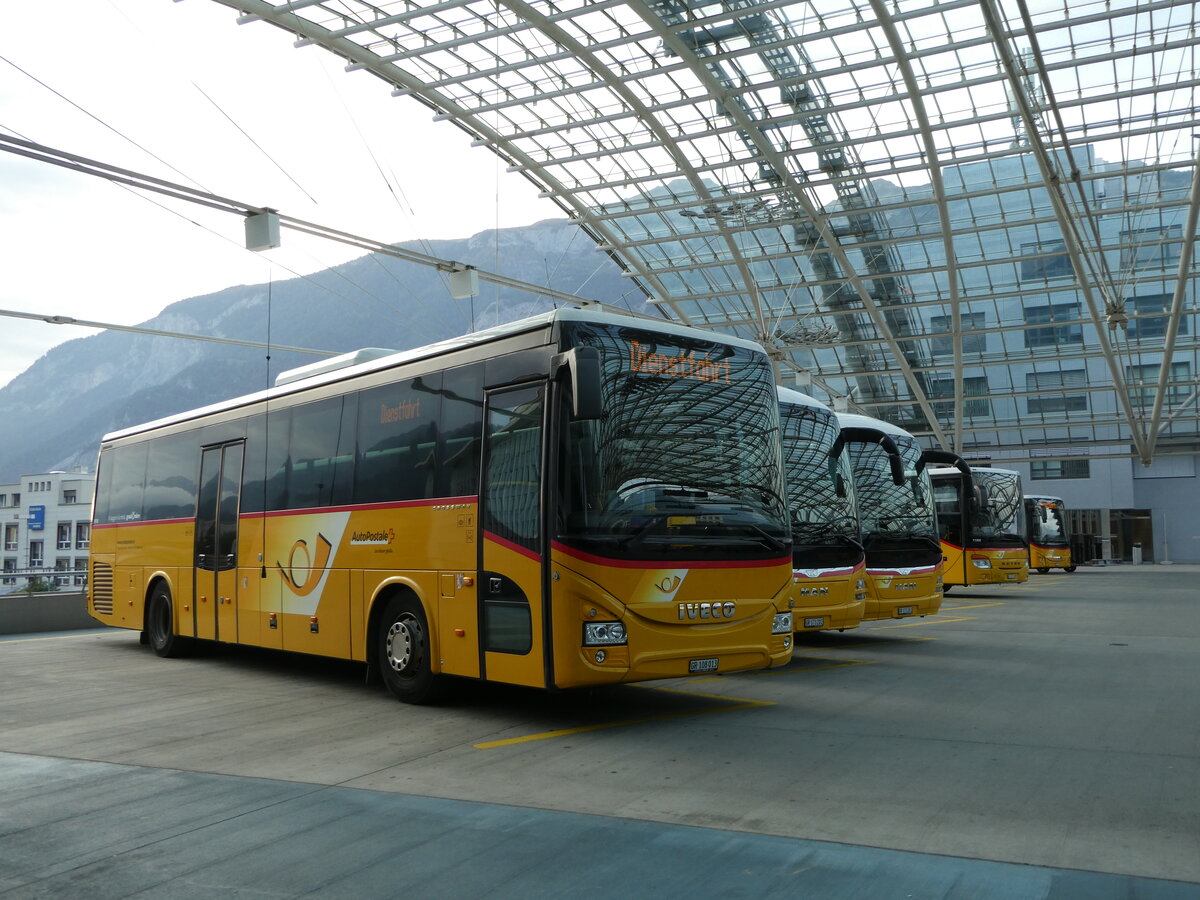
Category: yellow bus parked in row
[828,562]
[981,515]
[1049,539]
[575,499]
[894,502]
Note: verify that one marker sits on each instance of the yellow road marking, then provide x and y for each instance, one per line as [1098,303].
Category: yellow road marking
[737,703]
[975,605]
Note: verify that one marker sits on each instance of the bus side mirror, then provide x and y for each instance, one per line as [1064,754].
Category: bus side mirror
[839,484]
[897,470]
[583,367]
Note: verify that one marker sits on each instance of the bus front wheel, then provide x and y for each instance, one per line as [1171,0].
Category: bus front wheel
[1068,568]
[160,625]
[403,652]
[1042,571]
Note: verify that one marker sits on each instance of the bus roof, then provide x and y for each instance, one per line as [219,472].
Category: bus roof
[854,420]
[360,362]
[951,470]
[795,398]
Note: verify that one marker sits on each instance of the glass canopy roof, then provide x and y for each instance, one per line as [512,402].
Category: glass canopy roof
[972,218]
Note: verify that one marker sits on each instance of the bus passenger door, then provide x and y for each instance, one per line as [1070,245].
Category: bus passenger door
[510,577]
[216,542]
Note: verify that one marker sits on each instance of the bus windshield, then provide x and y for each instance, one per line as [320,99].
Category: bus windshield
[1001,512]
[685,458]
[1047,522]
[820,490]
[889,510]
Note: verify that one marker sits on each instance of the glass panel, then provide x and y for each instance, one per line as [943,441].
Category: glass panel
[686,457]
[512,481]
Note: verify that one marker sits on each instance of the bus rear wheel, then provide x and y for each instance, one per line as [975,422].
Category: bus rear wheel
[160,625]
[402,652]
[1042,571]
[1068,568]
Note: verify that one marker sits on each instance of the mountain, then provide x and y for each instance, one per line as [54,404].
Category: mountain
[55,412]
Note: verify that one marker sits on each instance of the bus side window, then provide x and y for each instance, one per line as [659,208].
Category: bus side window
[128,483]
[397,432]
[460,427]
[171,477]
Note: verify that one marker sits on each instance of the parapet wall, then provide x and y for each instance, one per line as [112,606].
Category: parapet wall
[24,613]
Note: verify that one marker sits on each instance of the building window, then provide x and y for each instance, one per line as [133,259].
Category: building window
[1045,259]
[83,535]
[1143,383]
[1151,313]
[973,340]
[37,557]
[976,404]
[64,536]
[1053,335]
[1151,248]
[10,537]
[70,497]
[1053,387]
[1049,469]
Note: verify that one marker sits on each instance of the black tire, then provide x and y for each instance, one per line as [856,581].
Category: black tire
[160,625]
[402,652]
[945,589]
[1042,571]
[1068,568]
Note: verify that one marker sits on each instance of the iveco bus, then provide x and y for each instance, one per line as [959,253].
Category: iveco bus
[896,519]
[981,517]
[828,562]
[575,499]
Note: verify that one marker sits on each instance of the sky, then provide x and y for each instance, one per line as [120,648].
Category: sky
[180,91]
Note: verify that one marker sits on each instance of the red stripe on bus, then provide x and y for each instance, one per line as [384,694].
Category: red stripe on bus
[359,507]
[509,545]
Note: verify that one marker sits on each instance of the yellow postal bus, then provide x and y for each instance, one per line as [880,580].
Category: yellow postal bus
[981,516]
[575,499]
[828,562]
[1049,539]
[894,502]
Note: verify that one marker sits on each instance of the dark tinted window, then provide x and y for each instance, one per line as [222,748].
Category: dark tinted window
[128,483]
[461,424]
[397,441]
[266,451]
[171,477]
[321,449]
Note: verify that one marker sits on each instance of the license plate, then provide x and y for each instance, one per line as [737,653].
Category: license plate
[703,665]
[904,611]
[1012,576]
[814,623]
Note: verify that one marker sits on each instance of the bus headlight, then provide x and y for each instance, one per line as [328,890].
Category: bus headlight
[860,589]
[981,562]
[782,623]
[597,634]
